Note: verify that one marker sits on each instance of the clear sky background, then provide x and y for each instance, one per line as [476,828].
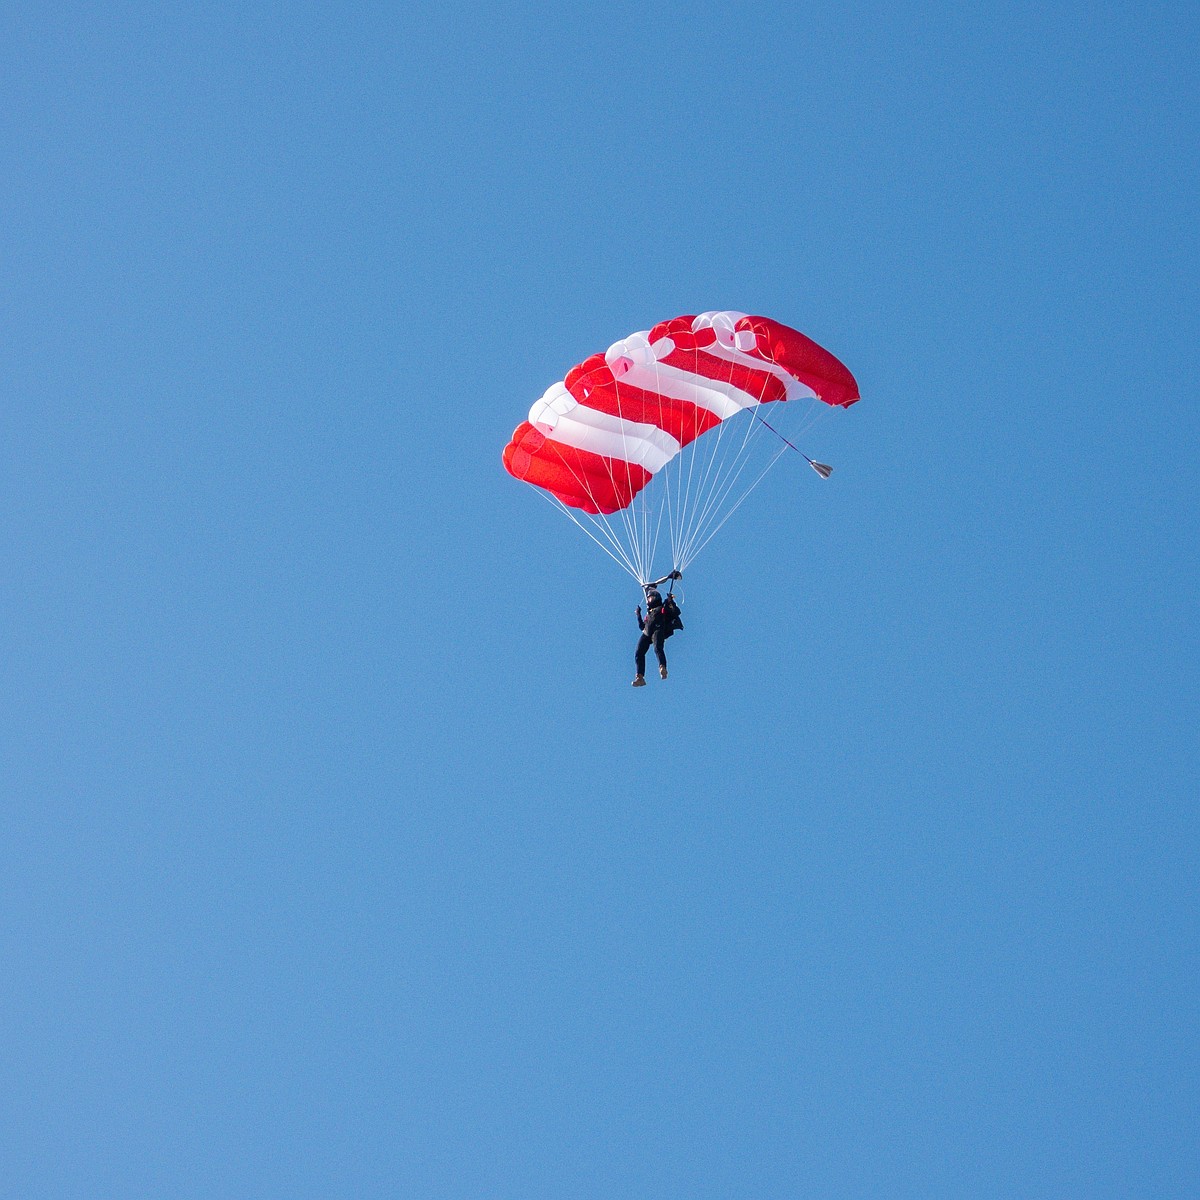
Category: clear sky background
[339,859]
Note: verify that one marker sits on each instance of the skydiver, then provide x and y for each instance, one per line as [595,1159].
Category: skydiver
[661,620]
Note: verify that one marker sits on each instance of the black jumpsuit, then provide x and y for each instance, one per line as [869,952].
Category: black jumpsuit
[660,622]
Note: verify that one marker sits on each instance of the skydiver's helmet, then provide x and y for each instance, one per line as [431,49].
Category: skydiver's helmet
[653,599]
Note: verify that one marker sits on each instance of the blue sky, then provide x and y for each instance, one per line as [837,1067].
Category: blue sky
[339,857]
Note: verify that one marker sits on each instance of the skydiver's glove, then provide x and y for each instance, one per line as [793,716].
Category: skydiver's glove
[639,612]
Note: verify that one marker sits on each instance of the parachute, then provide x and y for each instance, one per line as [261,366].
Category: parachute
[662,435]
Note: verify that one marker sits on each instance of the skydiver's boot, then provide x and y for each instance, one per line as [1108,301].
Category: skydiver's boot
[662,672]
[639,681]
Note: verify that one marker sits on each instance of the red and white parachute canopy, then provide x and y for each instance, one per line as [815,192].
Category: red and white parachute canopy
[620,420]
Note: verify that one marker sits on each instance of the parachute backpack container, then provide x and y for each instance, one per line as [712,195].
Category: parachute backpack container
[651,447]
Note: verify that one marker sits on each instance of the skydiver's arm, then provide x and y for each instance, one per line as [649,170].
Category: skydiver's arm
[664,579]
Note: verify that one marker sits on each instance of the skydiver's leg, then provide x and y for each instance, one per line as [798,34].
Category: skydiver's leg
[639,655]
[659,650]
